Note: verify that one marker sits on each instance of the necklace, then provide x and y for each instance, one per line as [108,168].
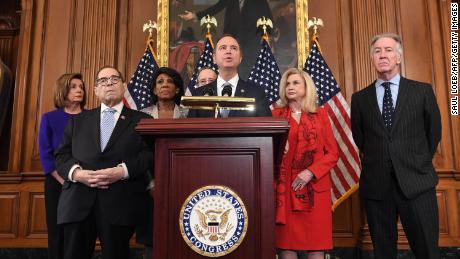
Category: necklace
[296,112]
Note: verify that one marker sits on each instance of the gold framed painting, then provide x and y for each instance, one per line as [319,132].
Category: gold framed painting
[180,41]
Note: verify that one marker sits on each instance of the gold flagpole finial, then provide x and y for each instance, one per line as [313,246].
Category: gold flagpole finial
[208,22]
[265,23]
[150,26]
[315,23]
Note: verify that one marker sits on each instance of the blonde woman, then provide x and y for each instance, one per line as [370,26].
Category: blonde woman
[303,196]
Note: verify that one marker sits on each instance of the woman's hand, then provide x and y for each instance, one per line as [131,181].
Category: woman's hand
[302,180]
[57,177]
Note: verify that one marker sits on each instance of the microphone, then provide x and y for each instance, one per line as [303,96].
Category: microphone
[208,91]
[227,90]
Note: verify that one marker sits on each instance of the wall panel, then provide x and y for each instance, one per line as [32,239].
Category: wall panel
[9,205]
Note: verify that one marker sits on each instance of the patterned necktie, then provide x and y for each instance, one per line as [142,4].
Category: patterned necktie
[387,108]
[107,125]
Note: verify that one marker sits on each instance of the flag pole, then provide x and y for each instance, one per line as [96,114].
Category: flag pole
[346,178]
[315,23]
[264,24]
[209,22]
[150,26]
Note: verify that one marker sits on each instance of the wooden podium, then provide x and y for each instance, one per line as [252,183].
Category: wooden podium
[239,153]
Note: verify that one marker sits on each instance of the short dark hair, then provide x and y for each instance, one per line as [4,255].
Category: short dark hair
[109,66]
[204,68]
[62,89]
[229,35]
[177,80]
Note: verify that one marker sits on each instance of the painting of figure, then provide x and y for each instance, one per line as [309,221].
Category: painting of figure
[186,37]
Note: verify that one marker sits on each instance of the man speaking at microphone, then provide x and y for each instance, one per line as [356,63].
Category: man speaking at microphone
[228,56]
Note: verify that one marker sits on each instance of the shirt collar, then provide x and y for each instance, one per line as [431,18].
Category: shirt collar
[233,81]
[394,81]
[117,107]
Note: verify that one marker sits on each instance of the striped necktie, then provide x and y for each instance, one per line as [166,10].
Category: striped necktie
[107,125]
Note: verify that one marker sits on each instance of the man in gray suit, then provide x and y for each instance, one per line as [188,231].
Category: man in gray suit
[396,125]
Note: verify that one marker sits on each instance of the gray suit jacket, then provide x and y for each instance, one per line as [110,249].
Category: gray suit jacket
[409,146]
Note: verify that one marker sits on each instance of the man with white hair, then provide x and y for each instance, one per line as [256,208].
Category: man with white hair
[396,125]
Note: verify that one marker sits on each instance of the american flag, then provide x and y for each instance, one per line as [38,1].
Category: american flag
[139,93]
[265,73]
[205,60]
[345,175]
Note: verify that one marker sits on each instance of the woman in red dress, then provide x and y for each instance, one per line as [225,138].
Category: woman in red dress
[303,187]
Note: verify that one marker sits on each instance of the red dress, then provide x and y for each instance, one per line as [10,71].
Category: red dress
[304,217]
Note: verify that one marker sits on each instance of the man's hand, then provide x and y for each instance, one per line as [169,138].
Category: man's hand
[57,177]
[104,177]
[83,176]
[187,16]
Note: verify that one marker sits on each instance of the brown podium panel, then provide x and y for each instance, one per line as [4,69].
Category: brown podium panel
[237,153]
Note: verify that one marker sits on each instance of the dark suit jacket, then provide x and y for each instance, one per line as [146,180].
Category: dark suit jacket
[243,89]
[123,202]
[409,146]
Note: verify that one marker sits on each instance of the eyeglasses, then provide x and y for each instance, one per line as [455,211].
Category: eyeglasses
[104,81]
[206,81]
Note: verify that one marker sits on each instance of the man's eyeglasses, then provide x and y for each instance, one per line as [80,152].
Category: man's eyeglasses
[104,81]
[205,81]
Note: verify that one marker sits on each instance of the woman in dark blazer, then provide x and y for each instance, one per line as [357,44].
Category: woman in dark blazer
[69,99]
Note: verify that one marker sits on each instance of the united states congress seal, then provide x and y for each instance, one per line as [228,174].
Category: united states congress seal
[213,220]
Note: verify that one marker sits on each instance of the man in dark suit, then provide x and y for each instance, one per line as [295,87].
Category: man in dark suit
[227,56]
[103,161]
[396,126]
[240,21]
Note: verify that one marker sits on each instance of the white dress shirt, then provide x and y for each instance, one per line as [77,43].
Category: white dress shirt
[116,116]
[221,82]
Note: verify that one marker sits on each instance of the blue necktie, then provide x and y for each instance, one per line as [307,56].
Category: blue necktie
[107,125]
[387,107]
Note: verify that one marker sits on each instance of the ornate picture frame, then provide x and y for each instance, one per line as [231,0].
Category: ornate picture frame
[163,32]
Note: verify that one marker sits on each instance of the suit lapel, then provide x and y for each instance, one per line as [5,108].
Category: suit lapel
[374,105]
[95,127]
[401,100]
[123,121]
[240,89]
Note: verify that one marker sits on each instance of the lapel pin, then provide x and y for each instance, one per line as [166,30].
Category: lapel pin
[242,90]
[122,117]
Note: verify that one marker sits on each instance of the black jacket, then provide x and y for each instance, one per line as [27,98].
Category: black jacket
[409,146]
